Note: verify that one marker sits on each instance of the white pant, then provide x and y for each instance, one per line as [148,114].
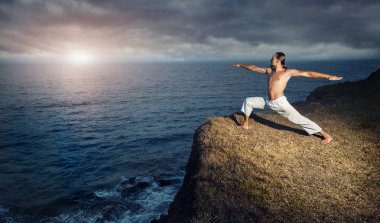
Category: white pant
[282,107]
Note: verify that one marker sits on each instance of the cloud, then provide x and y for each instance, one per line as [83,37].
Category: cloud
[199,29]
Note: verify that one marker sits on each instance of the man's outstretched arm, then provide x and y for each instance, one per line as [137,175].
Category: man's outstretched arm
[295,72]
[253,68]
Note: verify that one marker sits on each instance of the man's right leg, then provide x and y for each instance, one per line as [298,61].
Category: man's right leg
[245,122]
[248,105]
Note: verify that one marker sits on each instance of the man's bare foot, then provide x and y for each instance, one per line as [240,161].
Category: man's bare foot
[326,137]
[326,140]
[243,126]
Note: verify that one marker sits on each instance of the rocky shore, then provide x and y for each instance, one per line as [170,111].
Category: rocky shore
[275,172]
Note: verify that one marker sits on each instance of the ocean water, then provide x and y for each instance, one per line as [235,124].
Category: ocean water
[110,142]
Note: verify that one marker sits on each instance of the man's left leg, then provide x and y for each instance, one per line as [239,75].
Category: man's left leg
[326,137]
[288,111]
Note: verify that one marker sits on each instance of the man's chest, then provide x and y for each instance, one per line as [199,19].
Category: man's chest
[278,76]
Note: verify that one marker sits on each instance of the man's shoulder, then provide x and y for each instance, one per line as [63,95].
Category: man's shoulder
[291,71]
[270,70]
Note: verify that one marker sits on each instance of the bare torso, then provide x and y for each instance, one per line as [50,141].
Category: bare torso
[277,82]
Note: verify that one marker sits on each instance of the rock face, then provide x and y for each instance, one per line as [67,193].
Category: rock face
[275,172]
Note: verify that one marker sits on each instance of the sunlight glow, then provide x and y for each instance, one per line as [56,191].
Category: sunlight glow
[80,57]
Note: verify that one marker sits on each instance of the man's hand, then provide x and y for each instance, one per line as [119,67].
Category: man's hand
[335,78]
[236,65]
[295,72]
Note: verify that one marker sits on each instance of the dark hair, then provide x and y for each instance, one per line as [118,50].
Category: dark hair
[281,56]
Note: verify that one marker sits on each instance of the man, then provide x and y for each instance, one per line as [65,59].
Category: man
[278,77]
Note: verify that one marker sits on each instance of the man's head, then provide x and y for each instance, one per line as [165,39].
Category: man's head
[278,57]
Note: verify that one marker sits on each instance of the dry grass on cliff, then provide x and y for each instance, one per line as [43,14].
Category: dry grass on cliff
[275,172]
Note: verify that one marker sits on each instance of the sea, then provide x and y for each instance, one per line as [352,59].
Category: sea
[110,142]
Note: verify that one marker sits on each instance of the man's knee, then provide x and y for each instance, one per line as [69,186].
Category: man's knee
[248,101]
[254,102]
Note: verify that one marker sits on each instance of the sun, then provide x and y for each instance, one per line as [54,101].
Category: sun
[80,57]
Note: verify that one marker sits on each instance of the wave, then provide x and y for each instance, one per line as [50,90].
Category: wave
[133,200]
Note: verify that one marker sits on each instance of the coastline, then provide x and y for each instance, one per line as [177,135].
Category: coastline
[275,172]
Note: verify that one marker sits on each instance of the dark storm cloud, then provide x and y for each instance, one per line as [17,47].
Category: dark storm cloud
[192,29]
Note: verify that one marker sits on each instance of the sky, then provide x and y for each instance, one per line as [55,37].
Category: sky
[179,30]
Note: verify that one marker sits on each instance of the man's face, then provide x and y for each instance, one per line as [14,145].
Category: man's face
[274,60]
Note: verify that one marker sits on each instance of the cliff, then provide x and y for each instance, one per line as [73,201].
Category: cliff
[275,172]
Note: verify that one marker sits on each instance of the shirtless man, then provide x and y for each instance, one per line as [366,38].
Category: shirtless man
[278,77]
